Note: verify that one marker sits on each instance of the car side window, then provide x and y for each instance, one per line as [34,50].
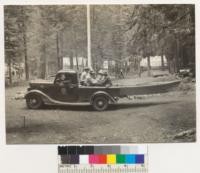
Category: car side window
[62,79]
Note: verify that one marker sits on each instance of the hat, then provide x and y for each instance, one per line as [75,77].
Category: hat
[100,72]
[105,73]
[91,72]
[86,68]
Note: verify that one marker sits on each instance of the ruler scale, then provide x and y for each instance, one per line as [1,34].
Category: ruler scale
[102,159]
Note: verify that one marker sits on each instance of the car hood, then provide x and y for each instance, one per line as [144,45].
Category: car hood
[40,82]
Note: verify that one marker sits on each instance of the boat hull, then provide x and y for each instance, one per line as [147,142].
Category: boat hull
[149,89]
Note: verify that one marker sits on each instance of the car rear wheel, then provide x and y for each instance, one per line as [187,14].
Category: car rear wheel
[34,102]
[100,103]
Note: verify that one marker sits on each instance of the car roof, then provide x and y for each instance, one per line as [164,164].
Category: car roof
[66,71]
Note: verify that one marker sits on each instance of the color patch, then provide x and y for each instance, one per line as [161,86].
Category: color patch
[101,154]
[115,149]
[130,159]
[140,158]
[102,159]
[83,159]
[120,159]
[111,159]
[98,150]
[72,150]
[107,150]
[70,159]
[124,150]
[89,150]
[65,159]
[133,150]
[74,159]
[62,150]
[80,149]
[93,159]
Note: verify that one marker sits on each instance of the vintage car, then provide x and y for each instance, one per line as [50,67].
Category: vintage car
[70,92]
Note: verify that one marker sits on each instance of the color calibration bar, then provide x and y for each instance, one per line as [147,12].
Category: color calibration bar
[107,159]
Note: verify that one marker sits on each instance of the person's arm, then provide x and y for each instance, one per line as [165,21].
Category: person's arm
[82,77]
[67,81]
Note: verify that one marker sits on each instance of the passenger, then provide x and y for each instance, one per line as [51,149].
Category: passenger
[90,79]
[100,76]
[106,80]
[84,75]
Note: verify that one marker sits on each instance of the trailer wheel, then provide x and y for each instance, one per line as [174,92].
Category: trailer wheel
[100,103]
[34,101]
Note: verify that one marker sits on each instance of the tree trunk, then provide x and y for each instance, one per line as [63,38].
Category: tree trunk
[149,65]
[26,59]
[174,65]
[168,63]
[176,58]
[25,46]
[116,69]
[181,57]
[75,47]
[57,52]
[162,63]
[177,55]
[71,60]
[61,50]
[139,69]
[43,74]
[10,71]
[77,65]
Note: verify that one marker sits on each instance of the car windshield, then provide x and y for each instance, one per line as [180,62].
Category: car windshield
[72,77]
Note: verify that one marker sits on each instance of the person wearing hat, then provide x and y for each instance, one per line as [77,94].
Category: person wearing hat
[100,76]
[106,81]
[84,75]
[90,79]
[62,80]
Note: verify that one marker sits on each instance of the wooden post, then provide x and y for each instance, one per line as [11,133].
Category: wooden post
[88,37]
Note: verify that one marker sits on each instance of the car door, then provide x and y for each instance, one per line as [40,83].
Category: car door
[65,91]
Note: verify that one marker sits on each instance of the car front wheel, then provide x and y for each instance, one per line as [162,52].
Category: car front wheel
[100,103]
[34,102]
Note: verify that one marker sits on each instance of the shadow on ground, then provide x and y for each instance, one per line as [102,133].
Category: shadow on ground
[110,108]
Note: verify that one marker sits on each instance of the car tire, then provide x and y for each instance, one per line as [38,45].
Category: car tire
[100,103]
[34,101]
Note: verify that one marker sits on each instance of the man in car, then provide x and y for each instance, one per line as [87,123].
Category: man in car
[100,76]
[84,75]
[90,79]
[106,80]
[62,81]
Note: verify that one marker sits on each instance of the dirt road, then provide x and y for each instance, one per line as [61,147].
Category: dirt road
[142,120]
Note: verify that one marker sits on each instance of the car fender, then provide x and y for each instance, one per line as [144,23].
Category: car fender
[102,93]
[44,97]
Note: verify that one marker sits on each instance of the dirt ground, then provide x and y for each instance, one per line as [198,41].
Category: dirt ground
[153,119]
